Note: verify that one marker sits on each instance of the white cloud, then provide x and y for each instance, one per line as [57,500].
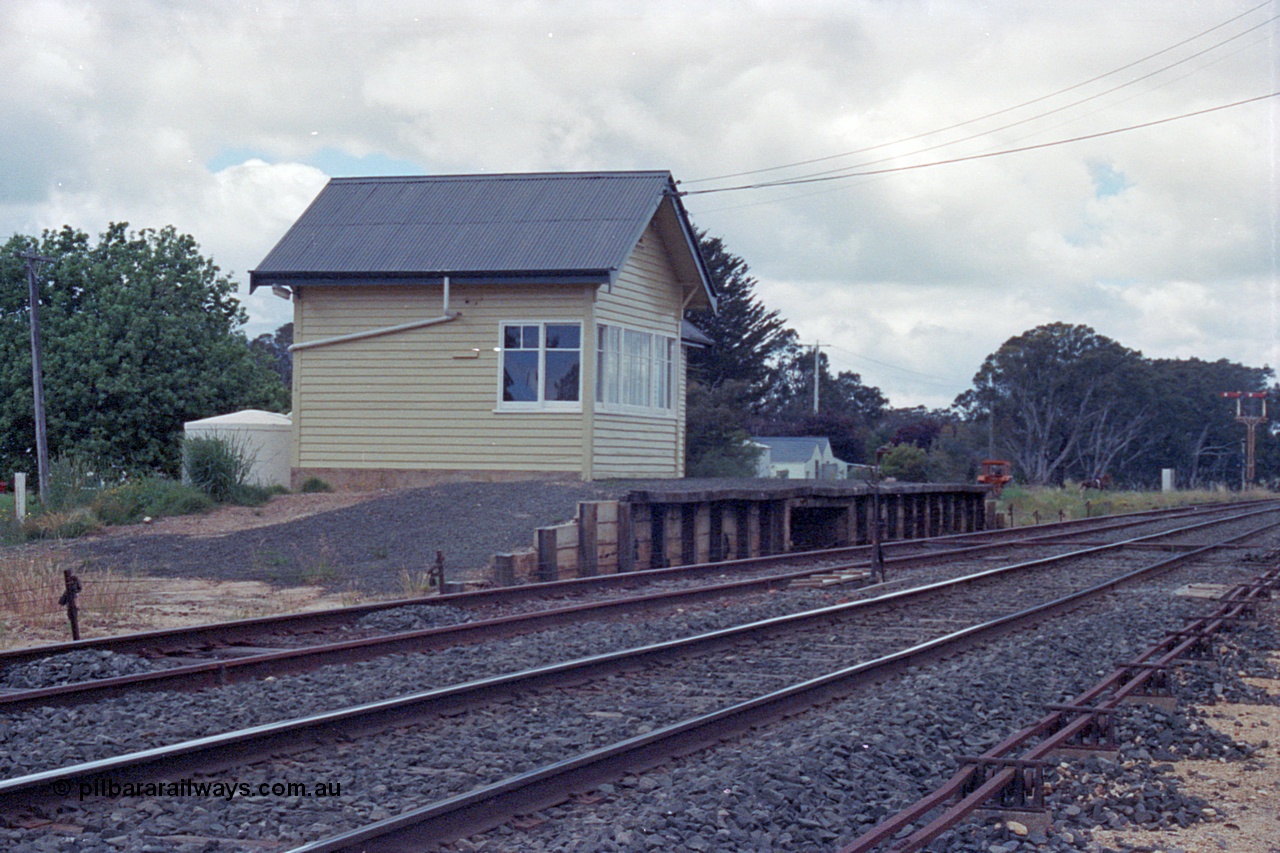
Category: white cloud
[116,112]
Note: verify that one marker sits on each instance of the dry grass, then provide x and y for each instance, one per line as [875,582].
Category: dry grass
[31,582]
[416,584]
[1053,504]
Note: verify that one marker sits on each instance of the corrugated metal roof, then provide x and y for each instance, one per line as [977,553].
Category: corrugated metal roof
[790,449]
[570,223]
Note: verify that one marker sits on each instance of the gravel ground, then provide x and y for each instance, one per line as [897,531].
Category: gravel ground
[363,547]
[816,781]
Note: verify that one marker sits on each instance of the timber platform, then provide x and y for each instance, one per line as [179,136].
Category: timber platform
[671,523]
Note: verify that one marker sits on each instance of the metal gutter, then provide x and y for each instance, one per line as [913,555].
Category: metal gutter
[445,316]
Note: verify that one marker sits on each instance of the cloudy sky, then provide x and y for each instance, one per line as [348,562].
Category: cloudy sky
[225,119]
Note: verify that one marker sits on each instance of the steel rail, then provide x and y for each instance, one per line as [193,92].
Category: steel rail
[215,752]
[1055,730]
[171,640]
[493,804]
[220,751]
[212,674]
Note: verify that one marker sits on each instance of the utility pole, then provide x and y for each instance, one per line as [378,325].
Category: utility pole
[816,344]
[37,375]
[1250,419]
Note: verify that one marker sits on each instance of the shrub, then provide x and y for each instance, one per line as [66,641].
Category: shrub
[907,463]
[153,496]
[60,525]
[73,482]
[248,494]
[315,484]
[216,465]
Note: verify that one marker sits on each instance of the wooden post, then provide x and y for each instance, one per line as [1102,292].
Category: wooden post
[588,540]
[657,536]
[715,536]
[435,576]
[548,555]
[688,534]
[742,530]
[37,375]
[780,526]
[702,532]
[20,495]
[626,539]
[504,569]
[766,515]
[68,600]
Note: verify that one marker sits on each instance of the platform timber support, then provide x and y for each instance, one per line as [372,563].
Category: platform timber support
[653,529]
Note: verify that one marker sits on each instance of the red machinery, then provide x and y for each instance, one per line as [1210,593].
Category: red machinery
[995,473]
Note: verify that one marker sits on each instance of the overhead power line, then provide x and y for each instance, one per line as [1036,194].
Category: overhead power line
[1042,130]
[1037,116]
[1019,106]
[989,154]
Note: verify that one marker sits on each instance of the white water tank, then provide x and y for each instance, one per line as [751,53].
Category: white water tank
[265,435]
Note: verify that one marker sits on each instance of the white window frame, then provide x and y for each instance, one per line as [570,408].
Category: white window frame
[636,371]
[541,404]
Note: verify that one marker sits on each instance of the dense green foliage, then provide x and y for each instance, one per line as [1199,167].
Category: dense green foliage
[273,350]
[756,379]
[747,338]
[907,463]
[718,443]
[148,497]
[140,333]
[1065,403]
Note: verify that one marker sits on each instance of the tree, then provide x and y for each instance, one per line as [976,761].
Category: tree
[1065,402]
[273,350]
[756,377]
[847,409]
[1057,395]
[747,338]
[907,463]
[916,425]
[140,333]
[719,446]
[1196,432]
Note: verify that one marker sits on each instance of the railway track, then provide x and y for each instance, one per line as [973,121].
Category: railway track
[197,671]
[229,638]
[687,691]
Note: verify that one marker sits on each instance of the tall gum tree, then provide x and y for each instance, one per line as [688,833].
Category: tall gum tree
[1050,397]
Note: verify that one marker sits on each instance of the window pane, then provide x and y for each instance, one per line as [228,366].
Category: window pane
[602,361]
[530,337]
[564,337]
[562,375]
[511,337]
[609,370]
[635,368]
[520,377]
[660,373]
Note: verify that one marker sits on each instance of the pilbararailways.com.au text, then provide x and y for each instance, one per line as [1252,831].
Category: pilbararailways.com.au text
[105,787]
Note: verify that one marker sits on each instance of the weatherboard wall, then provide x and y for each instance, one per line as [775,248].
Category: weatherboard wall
[425,399]
[645,295]
[375,410]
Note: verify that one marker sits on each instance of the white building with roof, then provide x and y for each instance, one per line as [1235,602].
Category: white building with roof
[802,457]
